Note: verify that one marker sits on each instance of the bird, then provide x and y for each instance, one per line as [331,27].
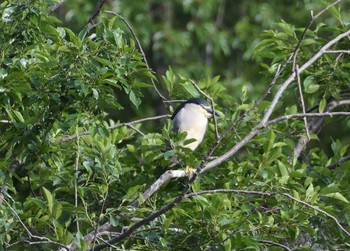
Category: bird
[192,117]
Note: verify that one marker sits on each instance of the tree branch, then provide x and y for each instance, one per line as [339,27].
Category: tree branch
[272,243]
[314,125]
[96,12]
[291,78]
[313,18]
[53,7]
[170,174]
[318,210]
[42,239]
[302,101]
[338,163]
[204,166]
[143,55]
[128,124]
[338,51]
[272,194]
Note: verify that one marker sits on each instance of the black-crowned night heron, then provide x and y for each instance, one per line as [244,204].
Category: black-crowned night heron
[192,117]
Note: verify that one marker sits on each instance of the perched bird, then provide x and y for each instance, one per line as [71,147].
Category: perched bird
[192,117]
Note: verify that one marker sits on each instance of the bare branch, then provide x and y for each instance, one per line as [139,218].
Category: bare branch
[302,68]
[136,130]
[302,101]
[258,128]
[4,121]
[302,115]
[318,210]
[339,162]
[41,238]
[272,243]
[71,137]
[170,174]
[76,177]
[338,51]
[315,124]
[53,7]
[96,12]
[313,18]
[271,194]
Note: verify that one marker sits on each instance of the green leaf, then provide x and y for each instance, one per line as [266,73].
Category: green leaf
[3,73]
[73,38]
[337,196]
[287,28]
[49,199]
[322,105]
[270,141]
[283,169]
[135,100]
[190,89]
[19,116]
[309,85]
[57,210]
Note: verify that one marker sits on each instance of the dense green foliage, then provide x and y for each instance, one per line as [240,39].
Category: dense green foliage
[68,165]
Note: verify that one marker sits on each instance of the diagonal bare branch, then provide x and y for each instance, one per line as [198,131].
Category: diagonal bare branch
[305,66]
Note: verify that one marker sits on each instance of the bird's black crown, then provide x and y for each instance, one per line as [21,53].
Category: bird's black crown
[198,101]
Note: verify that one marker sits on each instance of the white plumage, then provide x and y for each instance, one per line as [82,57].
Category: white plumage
[192,117]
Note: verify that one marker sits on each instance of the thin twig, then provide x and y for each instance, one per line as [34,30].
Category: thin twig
[175,101]
[272,243]
[71,137]
[97,221]
[315,124]
[291,78]
[96,12]
[76,176]
[313,18]
[302,101]
[302,115]
[142,52]
[318,210]
[53,7]
[43,239]
[212,107]
[136,130]
[338,163]
[337,51]
[272,194]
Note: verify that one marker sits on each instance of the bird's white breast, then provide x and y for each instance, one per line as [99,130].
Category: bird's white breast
[194,122]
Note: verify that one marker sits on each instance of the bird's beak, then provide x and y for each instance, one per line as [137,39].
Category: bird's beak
[211,112]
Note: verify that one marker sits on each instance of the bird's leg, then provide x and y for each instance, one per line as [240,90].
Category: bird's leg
[189,171]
